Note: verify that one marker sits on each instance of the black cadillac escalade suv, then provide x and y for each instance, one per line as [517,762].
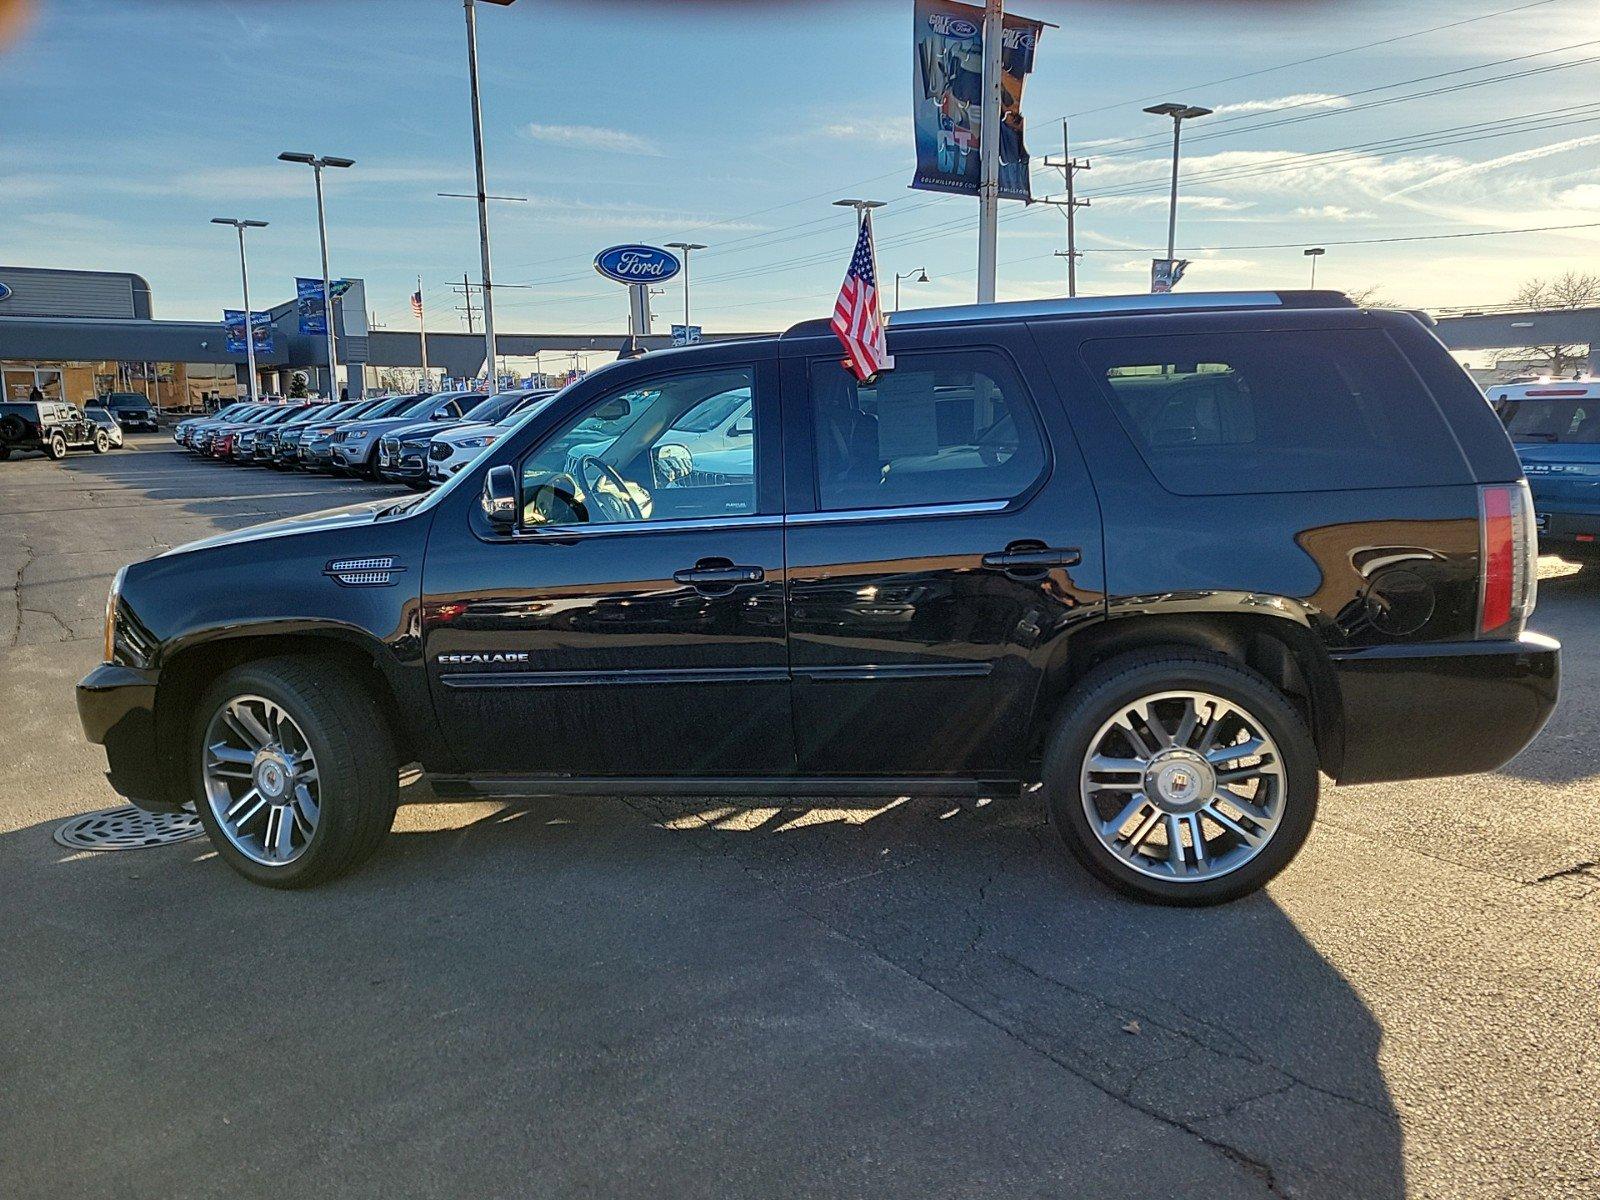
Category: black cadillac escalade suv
[1172,558]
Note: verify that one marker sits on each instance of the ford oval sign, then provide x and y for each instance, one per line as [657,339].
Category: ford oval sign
[636,264]
[4,291]
[952,27]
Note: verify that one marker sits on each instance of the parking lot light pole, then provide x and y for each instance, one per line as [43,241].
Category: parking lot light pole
[483,189]
[1179,114]
[1313,254]
[921,274]
[244,275]
[687,248]
[316,164]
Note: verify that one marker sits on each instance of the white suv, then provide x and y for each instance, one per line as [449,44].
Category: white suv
[453,449]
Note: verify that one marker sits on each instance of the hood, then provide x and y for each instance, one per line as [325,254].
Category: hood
[331,518]
[380,426]
[421,429]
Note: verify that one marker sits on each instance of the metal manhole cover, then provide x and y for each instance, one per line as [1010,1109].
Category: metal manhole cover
[128,828]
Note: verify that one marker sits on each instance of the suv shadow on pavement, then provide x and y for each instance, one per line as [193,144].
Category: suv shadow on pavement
[651,996]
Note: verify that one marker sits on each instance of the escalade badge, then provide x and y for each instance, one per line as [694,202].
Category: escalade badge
[475,660]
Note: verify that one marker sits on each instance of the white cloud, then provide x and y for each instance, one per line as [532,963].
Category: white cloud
[592,137]
[1331,212]
[1204,203]
[1298,100]
[1505,160]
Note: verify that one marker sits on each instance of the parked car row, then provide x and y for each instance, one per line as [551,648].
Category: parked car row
[388,437]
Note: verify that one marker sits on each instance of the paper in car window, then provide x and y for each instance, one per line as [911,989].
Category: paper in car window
[908,422]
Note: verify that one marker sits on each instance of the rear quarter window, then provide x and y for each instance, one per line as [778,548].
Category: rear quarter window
[1276,411]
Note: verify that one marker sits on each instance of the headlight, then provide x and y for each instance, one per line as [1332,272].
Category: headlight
[477,443]
[112,597]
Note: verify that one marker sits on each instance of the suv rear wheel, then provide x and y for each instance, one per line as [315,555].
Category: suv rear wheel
[1181,777]
[56,447]
[294,771]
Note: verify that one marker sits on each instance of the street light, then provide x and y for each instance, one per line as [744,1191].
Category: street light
[921,274]
[687,248]
[316,164]
[483,187]
[244,274]
[1313,254]
[1179,113]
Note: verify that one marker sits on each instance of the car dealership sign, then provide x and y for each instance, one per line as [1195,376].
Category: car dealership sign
[637,264]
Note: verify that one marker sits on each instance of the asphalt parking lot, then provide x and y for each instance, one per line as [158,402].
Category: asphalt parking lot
[650,997]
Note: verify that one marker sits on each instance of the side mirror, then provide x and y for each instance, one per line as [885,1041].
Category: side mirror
[672,463]
[500,498]
[743,427]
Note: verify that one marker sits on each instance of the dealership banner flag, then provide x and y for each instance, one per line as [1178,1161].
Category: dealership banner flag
[260,324]
[308,303]
[1165,273]
[947,97]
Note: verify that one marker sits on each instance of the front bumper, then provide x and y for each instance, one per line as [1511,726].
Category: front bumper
[409,466]
[316,456]
[1421,710]
[117,707]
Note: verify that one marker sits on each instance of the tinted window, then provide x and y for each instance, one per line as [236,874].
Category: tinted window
[625,459]
[1222,414]
[1552,420]
[937,429]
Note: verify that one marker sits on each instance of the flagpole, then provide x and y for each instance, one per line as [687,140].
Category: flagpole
[422,330]
[989,149]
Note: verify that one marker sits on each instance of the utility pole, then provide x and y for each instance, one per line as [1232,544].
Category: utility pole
[688,248]
[482,194]
[466,289]
[989,149]
[1069,167]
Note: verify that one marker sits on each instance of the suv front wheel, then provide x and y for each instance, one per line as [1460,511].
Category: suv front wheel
[1181,777]
[295,771]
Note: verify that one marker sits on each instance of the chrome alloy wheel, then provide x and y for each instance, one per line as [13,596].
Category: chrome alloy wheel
[261,780]
[1183,786]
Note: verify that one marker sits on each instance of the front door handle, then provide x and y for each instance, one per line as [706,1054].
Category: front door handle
[718,574]
[1031,558]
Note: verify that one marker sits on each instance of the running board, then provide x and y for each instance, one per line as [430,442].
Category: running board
[480,786]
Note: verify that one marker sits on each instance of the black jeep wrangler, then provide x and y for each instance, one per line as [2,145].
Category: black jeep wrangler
[1170,558]
[50,426]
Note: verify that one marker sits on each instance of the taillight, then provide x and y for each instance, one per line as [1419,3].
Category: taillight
[1507,561]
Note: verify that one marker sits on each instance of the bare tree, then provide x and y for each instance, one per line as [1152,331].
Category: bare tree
[1575,289]
[1371,297]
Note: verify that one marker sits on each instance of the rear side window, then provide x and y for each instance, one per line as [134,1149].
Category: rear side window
[1289,411]
[941,428]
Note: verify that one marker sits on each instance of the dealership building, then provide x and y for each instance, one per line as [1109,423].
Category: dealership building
[78,334]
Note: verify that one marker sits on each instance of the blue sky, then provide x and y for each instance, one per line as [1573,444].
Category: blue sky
[126,125]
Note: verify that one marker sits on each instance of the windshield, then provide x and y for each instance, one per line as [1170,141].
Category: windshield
[127,400]
[1552,420]
[386,408]
[421,407]
[99,414]
[705,417]
[278,418]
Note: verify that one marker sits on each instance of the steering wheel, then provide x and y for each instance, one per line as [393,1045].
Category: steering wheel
[561,488]
[622,505]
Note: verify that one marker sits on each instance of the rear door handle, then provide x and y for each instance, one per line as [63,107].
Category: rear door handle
[718,574]
[1032,558]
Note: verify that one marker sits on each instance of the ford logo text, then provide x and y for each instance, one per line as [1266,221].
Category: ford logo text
[636,264]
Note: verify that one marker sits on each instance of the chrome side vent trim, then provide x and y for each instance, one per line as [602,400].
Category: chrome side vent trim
[363,572]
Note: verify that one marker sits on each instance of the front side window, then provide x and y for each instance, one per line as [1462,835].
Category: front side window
[946,428]
[629,457]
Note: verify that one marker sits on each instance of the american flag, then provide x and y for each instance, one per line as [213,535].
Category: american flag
[416,304]
[857,316]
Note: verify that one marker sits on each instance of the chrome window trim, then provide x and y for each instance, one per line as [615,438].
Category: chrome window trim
[967,508]
[601,529]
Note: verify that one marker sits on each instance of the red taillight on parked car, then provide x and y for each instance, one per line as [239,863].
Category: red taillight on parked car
[1507,561]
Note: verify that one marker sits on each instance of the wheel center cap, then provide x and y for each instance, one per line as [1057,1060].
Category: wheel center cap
[272,778]
[1179,781]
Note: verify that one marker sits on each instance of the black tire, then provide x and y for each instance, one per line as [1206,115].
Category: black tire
[356,766]
[12,428]
[1123,681]
[102,441]
[5,453]
[56,446]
